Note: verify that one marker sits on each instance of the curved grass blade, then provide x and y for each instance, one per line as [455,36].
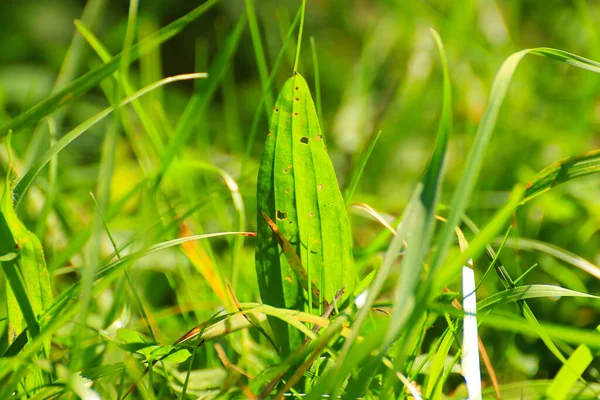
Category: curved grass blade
[34,170]
[555,251]
[530,292]
[258,113]
[563,171]
[298,187]
[201,98]
[92,78]
[361,167]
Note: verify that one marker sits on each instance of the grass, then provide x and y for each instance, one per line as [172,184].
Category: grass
[153,291]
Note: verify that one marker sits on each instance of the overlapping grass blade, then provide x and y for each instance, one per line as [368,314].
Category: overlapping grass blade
[530,292]
[65,306]
[258,114]
[475,159]
[569,373]
[34,170]
[555,251]
[418,221]
[91,79]
[261,61]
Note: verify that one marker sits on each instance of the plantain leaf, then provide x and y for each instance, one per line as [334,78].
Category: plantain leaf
[297,189]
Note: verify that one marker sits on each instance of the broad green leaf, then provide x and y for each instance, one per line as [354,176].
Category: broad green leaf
[297,188]
[294,261]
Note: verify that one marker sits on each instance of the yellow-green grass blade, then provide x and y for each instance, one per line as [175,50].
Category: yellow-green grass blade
[100,49]
[92,78]
[259,52]
[75,54]
[298,187]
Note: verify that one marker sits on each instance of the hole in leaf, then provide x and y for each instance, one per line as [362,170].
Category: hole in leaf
[281,215]
[295,114]
[319,137]
[276,109]
[297,88]
[304,140]
[297,98]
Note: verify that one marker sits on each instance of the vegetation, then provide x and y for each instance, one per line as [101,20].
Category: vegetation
[387,200]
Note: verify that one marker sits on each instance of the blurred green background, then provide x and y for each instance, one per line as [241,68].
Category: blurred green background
[379,70]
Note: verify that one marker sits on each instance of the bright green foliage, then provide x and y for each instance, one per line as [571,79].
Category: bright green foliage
[28,290]
[297,189]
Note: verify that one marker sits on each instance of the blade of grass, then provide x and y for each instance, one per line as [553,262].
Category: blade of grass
[91,79]
[349,192]
[201,98]
[261,61]
[556,252]
[569,373]
[418,220]
[315,59]
[30,176]
[258,114]
[530,292]
[563,171]
[299,43]
[476,155]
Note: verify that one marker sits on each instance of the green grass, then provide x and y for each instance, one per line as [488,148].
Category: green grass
[132,212]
